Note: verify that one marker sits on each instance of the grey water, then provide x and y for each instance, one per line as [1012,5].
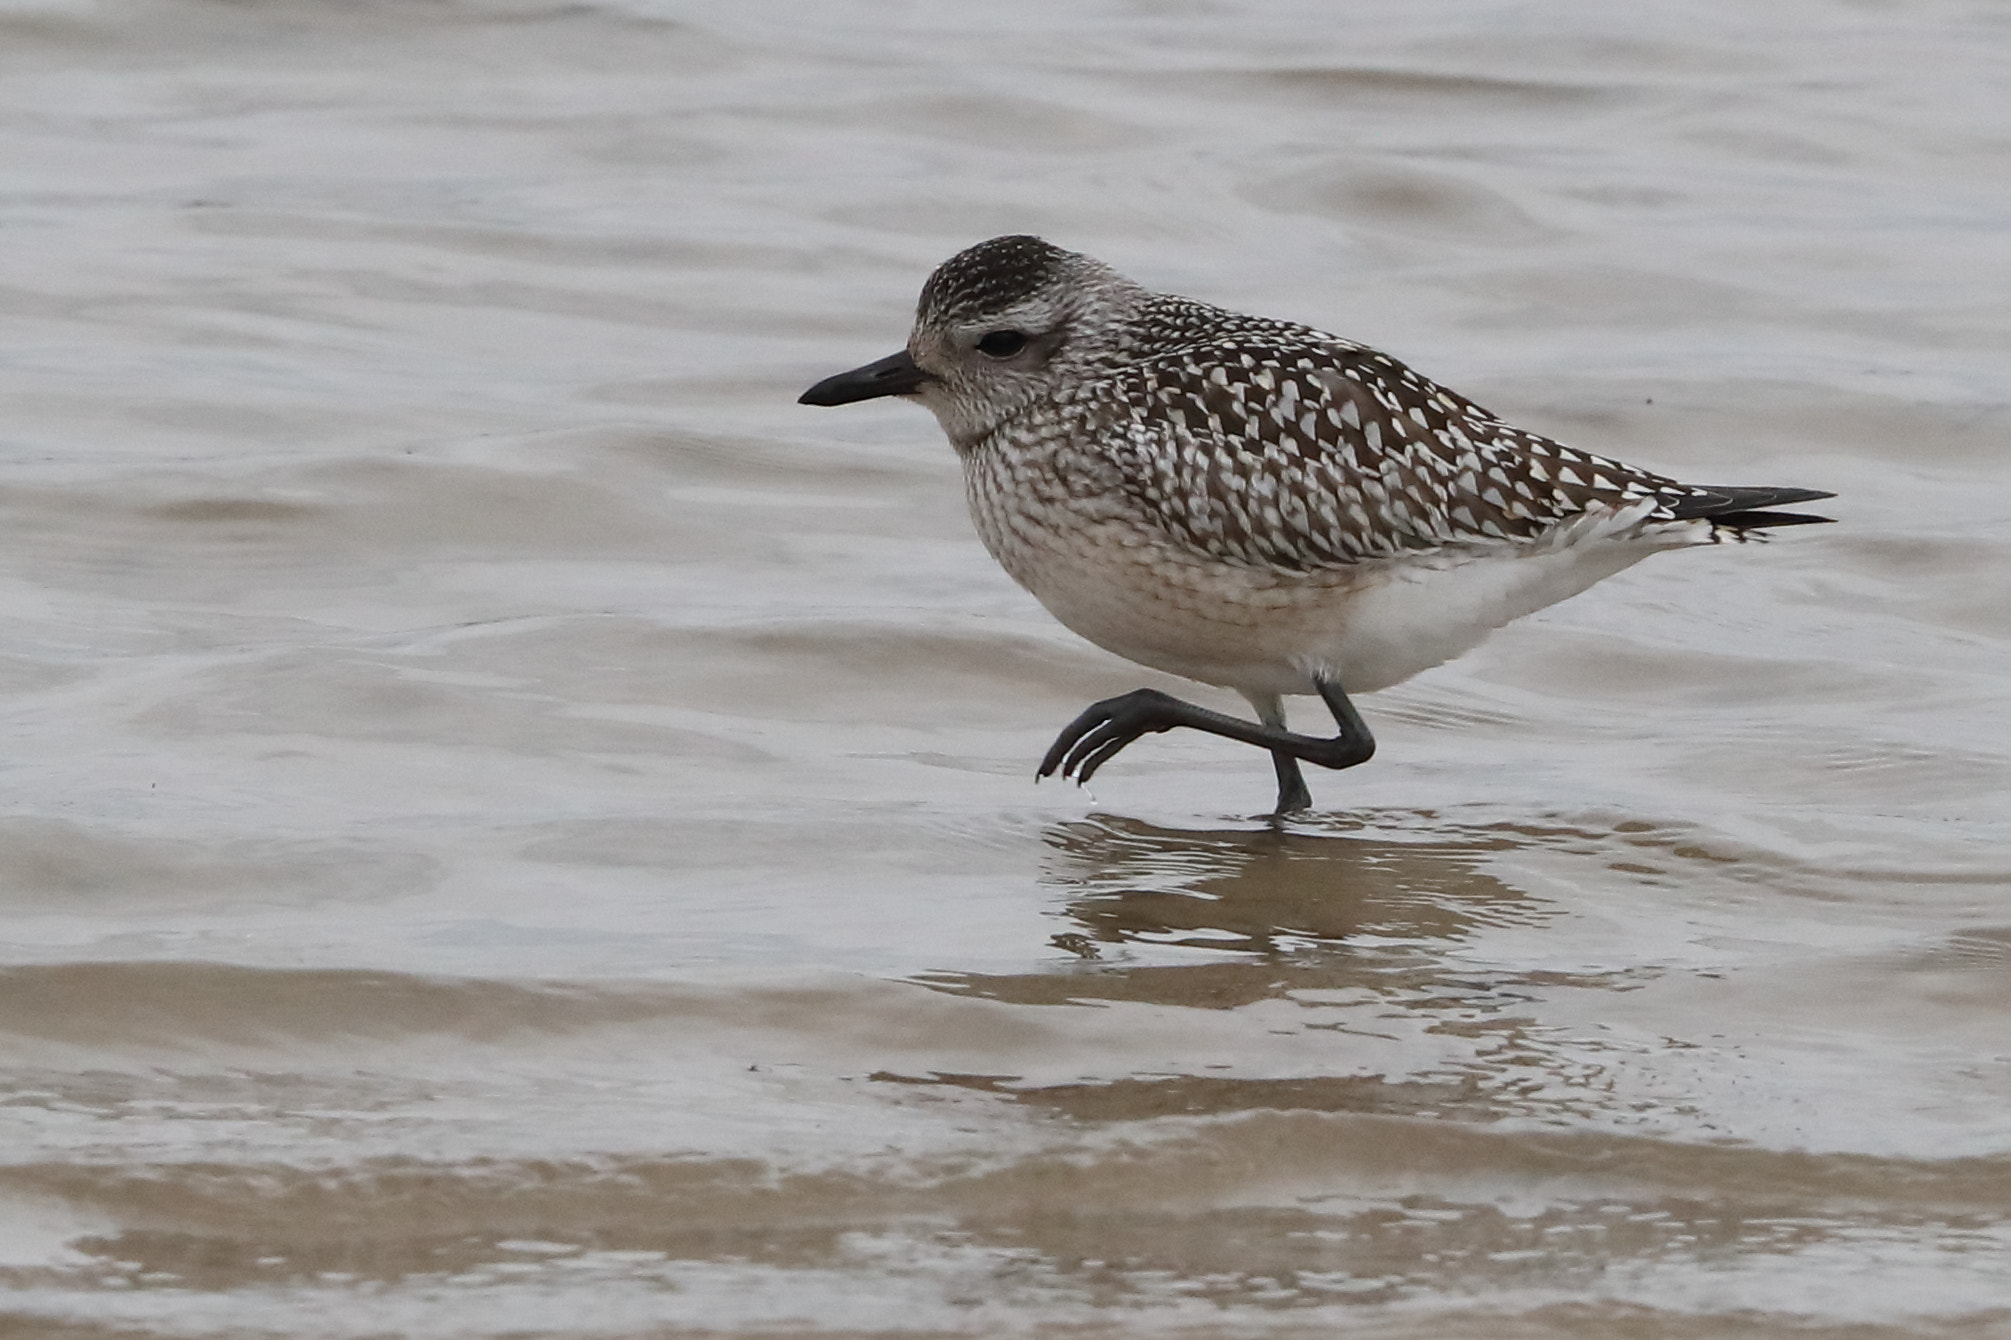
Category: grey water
[511,826]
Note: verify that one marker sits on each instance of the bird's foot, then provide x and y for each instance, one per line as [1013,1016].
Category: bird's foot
[1093,739]
[1293,795]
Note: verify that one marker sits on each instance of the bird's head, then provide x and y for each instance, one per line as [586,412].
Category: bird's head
[998,326]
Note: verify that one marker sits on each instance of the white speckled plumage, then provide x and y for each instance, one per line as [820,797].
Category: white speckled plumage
[1254,503]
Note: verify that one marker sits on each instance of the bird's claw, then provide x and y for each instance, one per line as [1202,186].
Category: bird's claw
[1093,739]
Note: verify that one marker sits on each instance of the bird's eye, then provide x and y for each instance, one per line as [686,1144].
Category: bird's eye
[1002,343]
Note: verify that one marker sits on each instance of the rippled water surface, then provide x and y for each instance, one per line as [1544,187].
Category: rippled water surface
[514,827]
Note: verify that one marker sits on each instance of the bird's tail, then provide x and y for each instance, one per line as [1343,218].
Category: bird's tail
[1739,510]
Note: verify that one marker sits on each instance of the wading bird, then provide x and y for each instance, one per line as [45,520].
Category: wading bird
[1252,503]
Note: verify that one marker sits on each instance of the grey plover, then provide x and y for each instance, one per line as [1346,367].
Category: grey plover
[1252,503]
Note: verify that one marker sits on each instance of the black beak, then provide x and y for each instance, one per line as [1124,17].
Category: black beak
[896,374]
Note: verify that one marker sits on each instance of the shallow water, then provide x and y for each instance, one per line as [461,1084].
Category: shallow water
[515,827]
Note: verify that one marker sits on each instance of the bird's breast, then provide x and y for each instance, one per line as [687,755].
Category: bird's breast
[1110,574]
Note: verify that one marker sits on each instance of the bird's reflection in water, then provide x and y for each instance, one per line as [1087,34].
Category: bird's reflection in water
[1285,909]
[1265,890]
[1363,929]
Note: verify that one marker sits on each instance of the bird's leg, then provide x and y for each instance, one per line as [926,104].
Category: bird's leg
[1093,738]
[1292,792]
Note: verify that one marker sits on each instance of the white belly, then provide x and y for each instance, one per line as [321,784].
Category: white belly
[1423,613]
[1367,627]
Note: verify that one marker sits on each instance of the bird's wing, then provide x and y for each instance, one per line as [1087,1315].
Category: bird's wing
[1291,449]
